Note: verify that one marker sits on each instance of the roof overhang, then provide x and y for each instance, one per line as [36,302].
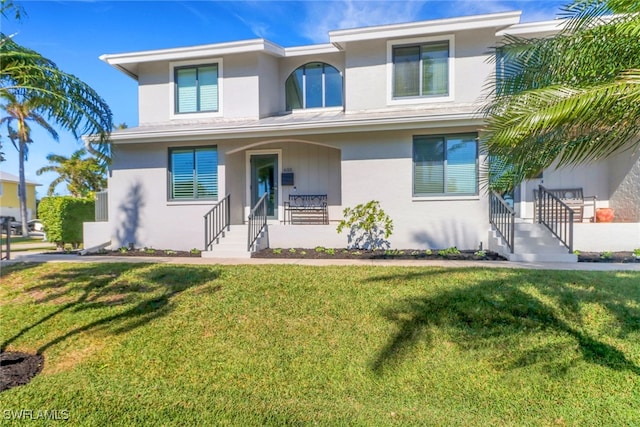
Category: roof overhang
[497,21]
[534,28]
[128,62]
[261,128]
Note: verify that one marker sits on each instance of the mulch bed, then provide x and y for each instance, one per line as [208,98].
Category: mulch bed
[18,368]
[618,257]
[323,253]
[134,253]
[151,252]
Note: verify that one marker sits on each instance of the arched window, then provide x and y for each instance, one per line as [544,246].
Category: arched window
[314,85]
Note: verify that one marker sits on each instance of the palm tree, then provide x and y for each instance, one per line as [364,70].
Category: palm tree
[573,98]
[36,90]
[84,176]
[20,113]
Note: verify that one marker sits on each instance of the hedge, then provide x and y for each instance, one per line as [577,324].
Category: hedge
[62,218]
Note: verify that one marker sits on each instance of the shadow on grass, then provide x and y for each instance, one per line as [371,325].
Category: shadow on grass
[503,307]
[145,292]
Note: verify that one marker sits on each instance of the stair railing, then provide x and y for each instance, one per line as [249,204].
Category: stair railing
[257,221]
[554,214]
[502,217]
[216,221]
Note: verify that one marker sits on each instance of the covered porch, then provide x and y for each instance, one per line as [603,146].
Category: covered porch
[604,196]
[280,169]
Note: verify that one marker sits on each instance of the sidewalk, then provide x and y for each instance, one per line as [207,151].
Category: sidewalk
[581,266]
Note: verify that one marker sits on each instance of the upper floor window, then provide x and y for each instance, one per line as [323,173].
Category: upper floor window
[421,70]
[445,165]
[314,85]
[197,89]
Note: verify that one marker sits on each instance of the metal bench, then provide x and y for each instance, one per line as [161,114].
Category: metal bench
[572,197]
[306,209]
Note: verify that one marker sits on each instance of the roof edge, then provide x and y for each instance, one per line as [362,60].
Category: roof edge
[493,20]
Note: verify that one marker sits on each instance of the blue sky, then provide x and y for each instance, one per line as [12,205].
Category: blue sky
[75,33]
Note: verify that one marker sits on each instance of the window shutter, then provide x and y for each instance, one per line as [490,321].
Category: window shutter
[182,176]
[462,166]
[428,158]
[186,90]
[208,88]
[435,69]
[406,71]
[207,173]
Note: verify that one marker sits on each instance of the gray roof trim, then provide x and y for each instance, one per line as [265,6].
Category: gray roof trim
[291,125]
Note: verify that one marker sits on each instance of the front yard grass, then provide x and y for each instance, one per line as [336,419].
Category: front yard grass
[157,344]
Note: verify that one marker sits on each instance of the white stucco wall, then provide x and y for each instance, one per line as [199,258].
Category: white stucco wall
[601,237]
[367,70]
[139,210]
[239,81]
[362,167]
[379,167]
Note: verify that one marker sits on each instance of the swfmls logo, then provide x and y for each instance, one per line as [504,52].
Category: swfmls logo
[29,414]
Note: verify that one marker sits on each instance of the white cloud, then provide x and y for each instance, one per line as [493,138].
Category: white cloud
[323,17]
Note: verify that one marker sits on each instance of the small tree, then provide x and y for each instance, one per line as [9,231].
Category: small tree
[369,226]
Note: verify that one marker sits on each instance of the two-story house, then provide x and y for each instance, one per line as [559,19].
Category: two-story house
[387,113]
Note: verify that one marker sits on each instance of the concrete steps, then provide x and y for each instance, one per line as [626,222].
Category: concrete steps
[532,243]
[232,245]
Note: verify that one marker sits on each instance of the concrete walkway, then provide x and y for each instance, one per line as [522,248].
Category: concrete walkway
[582,266]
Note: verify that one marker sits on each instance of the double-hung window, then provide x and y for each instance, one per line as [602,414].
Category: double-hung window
[197,89]
[445,165]
[193,173]
[421,70]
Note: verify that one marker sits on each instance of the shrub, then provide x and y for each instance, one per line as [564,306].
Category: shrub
[369,226]
[62,218]
[449,251]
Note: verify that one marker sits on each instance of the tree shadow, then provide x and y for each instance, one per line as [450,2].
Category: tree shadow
[505,306]
[12,267]
[127,232]
[145,291]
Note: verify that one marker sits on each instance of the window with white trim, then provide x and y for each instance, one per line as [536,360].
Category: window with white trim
[193,173]
[196,89]
[445,165]
[421,70]
[314,85]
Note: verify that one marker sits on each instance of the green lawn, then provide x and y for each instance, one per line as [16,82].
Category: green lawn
[129,344]
[20,239]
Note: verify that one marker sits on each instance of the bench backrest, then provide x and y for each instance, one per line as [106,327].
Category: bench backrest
[567,195]
[307,200]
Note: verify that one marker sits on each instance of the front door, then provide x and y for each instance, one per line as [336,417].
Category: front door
[264,179]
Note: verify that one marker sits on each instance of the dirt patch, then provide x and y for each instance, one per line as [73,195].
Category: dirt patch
[18,368]
[409,254]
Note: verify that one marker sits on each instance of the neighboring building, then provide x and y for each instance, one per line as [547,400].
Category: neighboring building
[387,113]
[9,201]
